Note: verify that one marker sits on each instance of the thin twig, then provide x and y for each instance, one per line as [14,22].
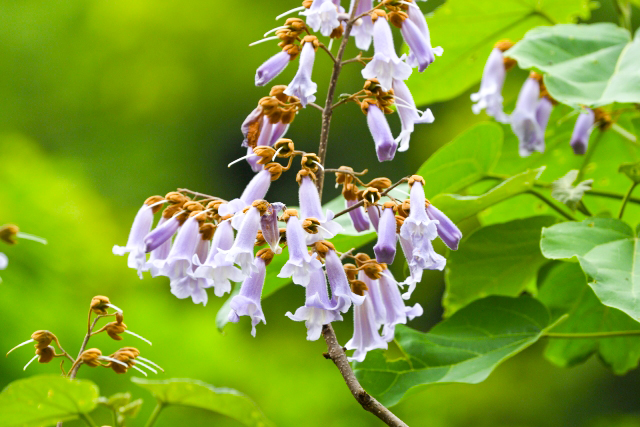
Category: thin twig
[195,193]
[361,202]
[626,199]
[326,49]
[552,205]
[316,106]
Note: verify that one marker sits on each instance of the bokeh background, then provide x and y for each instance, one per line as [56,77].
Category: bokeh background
[104,103]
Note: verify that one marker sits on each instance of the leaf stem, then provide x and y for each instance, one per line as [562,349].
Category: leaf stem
[626,199]
[87,419]
[552,205]
[154,415]
[587,157]
[623,9]
[590,335]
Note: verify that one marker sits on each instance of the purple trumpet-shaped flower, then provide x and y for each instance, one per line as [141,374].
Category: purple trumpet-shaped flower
[247,302]
[135,244]
[241,252]
[489,97]
[253,117]
[395,310]
[385,65]
[190,285]
[386,145]
[269,226]
[543,112]
[362,30]
[302,86]
[310,207]
[447,230]
[341,294]
[373,294]
[272,67]
[385,248]
[365,331]
[317,309]
[416,34]
[255,190]
[180,259]
[582,131]
[216,267]
[159,250]
[419,259]
[523,119]
[358,218]
[269,134]
[300,264]
[322,16]
[417,227]
[409,113]
[373,212]
[163,232]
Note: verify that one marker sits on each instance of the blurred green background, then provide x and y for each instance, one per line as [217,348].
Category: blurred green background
[106,103]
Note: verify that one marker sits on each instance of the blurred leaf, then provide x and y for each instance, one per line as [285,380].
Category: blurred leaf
[43,400]
[632,170]
[131,409]
[459,207]
[196,394]
[564,290]
[608,253]
[463,161]
[583,64]
[501,259]
[468,29]
[464,348]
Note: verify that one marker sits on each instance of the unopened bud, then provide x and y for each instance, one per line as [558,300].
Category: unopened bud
[358,287]
[351,271]
[362,258]
[323,247]
[275,169]
[311,225]
[350,192]
[416,178]
[380,183]
[46,354]
[207,230]
[373,270]
[265,153]
[278,91]
[91,357]
[404,208]
[153,200]
[8,233]
[43,338]
[99,304]
[288,213]
[261,205]
[266,255]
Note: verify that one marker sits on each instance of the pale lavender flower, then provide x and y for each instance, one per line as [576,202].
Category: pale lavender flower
[269,134]
[160,250]
[358,218]
[385,248]
[215,267]
[543,112]
[135,244]
[365,332]
[241,252]
[302,86]
[523,119]
[409,113]
[322,16]
[373,294]
[417,227]
[190,285]
[300,263]
[395,310]
[582,131]
[386,145]
[362,30]
[179,262]
[272,67]
[269,227]
[310,207]
[385,65]
[416,34]
[4,261]
[163,232]
[489,97]
[253,117]
[247,302]
[317,309]
[341,295]
[447,230]
[420,258]
[374,216]
[256,190]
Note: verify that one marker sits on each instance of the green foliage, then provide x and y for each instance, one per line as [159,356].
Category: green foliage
[464,348]
[196,394]
[631,170]
[467,30]
[501,259]
[564,291]
[592,65]
[607,250]
[44,400]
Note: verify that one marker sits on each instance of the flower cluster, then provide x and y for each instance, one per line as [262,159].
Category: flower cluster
[10,234]
[533,108]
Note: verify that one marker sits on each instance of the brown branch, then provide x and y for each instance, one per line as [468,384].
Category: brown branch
[326,49]
[361,202]
[337,356]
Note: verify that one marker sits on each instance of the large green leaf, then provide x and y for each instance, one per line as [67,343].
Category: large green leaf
[459,207]
[462,161]
[608,253]
[468,29]
[501,259]
[564,290]
[43,400]
[196,394]
[584,64]
[464,348]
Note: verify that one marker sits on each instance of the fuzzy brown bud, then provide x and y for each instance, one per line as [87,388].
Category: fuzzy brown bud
[261,205]
[311,225]
[207,230]
[373,270]
[176,198]
[278,92]
[324,246]
[358,287]
[8,233]
[152,201]
[351,271]
[275,169]
[305,172]
[415,178]
[288,213]
[46,354]
[362,258]
[380,183]
[350,192]
[43,338]
[266,255]
[99,304]
[397,18]
[91,357]
[344,178]
[265,153]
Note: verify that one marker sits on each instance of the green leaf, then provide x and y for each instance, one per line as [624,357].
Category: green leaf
[459,207]
[468,29]
[608,253]
[196,394]
[463,161]
[583,64]
[465,348]
[501,259]
[43,400]
[564,290]
[632,170]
